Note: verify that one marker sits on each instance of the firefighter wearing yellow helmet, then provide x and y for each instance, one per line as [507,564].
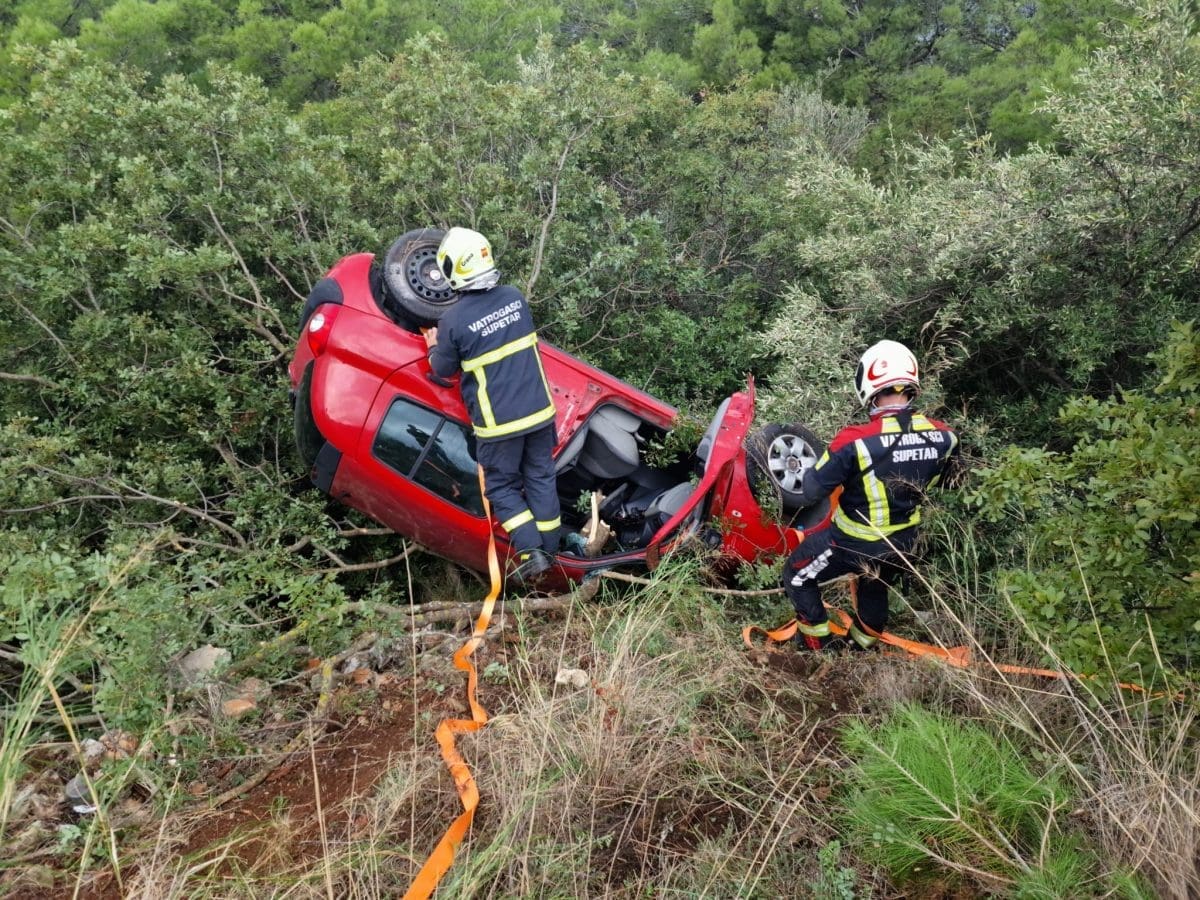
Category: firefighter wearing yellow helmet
[489,337]
[465,258]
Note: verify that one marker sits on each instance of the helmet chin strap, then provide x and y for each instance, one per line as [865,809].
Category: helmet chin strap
[876,409]
[484,282]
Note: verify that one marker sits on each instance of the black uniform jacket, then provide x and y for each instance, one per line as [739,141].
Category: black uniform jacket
[884,468]
[489,336]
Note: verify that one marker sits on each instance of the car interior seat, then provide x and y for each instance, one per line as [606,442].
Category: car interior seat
[664,506]
[570,453]
[610,449]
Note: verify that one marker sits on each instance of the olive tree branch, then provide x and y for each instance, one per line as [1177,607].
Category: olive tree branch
[541,244]
[29,379]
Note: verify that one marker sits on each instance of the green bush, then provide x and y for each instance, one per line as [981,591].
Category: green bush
[1113,575]
[1020,280]
[158,237]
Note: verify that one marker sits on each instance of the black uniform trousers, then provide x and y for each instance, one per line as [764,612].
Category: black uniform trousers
[826,554]
[519,480]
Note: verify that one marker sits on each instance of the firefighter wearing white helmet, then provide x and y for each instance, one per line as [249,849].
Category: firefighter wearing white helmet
[884,468]
[488,337]
[887,365]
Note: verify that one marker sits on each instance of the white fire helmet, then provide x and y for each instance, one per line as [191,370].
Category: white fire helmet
[887,364]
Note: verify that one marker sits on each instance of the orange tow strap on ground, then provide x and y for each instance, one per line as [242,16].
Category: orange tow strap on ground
[440,859]
[955,656]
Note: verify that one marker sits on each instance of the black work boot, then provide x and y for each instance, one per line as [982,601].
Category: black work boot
[530,565]
[838,643]
[807,641]
[828,643]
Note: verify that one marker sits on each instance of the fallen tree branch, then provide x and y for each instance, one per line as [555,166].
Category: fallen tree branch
[345,533]
[29,379]
[471,610]
[414,615]
[362,567]
[132,494]
[724,592]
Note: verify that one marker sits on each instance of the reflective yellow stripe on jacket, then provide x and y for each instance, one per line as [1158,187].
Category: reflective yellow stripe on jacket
[478,367]
[879,522]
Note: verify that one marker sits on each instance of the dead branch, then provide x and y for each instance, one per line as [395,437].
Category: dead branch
[723,592]
[541,244]
[455,612]
[364,532]
[28,379]
[307,540]
[61,501]
[260,304]
[190,510]
[414,616]
[46,328]
[362,567]
[278,274]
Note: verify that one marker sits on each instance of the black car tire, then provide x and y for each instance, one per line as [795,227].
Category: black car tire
[778,455]
[414,281]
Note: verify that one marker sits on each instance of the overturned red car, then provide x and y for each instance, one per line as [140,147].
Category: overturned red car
[382,435]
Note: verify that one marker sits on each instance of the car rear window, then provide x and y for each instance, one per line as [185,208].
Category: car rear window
[435,452]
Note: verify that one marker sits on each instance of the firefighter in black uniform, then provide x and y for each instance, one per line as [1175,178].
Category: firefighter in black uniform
[884,468]
[489,336]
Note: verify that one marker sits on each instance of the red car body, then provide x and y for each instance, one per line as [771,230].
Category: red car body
[382,437]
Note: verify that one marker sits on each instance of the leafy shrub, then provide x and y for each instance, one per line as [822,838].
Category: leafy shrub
[1020,280]
[836,881]
[158,239]
[1112,578]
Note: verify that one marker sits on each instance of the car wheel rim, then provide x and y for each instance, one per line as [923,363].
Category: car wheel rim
[788,458]
[425,278]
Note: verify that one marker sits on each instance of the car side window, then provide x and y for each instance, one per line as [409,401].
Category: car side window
[431,450]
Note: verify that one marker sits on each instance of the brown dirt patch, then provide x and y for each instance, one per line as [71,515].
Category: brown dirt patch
[275,825]
[343,764]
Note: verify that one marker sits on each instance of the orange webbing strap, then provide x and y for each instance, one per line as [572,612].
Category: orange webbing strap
[787,631]
[955,656]
[960,657]
[443,854]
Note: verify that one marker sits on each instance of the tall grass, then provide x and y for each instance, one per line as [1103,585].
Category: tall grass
[686,768]
[50,633]
[664,774]
[673,771]
[1132,759]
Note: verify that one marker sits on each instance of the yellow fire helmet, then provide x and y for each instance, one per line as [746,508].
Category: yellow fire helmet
[465,257]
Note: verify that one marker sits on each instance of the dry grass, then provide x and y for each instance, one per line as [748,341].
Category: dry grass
[686,768]
[673,772]
[664,773]
[1133,758]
